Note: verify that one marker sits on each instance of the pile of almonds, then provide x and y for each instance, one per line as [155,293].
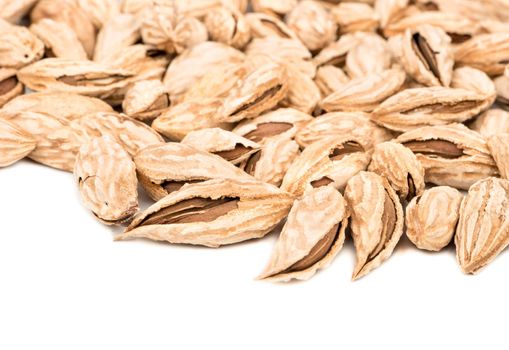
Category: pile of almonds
[314,119]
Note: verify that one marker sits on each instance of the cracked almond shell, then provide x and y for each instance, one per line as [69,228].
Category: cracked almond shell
[400,167]
[312,236]
[376,220]
[213,213]
[330,161]
[452,155]
[417,107]
[165,168]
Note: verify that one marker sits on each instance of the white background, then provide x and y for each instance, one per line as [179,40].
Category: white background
[65,284]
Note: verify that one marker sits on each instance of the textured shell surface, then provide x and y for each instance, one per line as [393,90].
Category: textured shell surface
[107,182]
[376,220]
[483,226]
[431,218]
[15,143]
[310,220]
[259,207]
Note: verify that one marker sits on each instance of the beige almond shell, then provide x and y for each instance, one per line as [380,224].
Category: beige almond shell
[166,28]
[499,147]
[417,107]
[261,208]
[262,25]
[415,63]
[57,142]
[12,11]
[356,124]
[483,226]
[354,16]
[290,53]
[75,76]
[330,79]
[132,134]
[292,119]
[335,53]
[58,104]
[461,172]
[455,25]
[276,156]
[370,55]
[15,143]
[431,218]
[366,93]
[487,52]
[314,164]
[365,194]
[59,39]
[178,121]
[100,11]
[228,26]
[173,161]
[475,80]
[19,47]
[389,11]
[107,182]
[188,67]
[69,12]
[116,34]
[214,140]
[10,87]
[274,8]
[311,218]
[398,165]
[146,100]
[259,91]
[491,122]
[502,88]
[218,82]
[303,94]
[313,24]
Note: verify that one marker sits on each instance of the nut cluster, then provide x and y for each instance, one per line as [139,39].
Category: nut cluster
[315,119]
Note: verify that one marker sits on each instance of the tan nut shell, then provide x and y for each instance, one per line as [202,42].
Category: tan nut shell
[398,165]
[179,162]
[59,38]
[178,121]
[260,209]
[294,119]
[461,172]
[146,100]
[417,107]
[19,47]
[365,194]
[214,140]
[309,220]
[416,62]
[259,91]
[483,226]
[431,218]
[276,156]
[106,177]
[131,134]
[15,143]
[356,124]
[314,164]
[57,142]
[487,52]
[499,147]
[353,17]
[75,76]
[228,26]
[492,122]
[366,93]
[59,104]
